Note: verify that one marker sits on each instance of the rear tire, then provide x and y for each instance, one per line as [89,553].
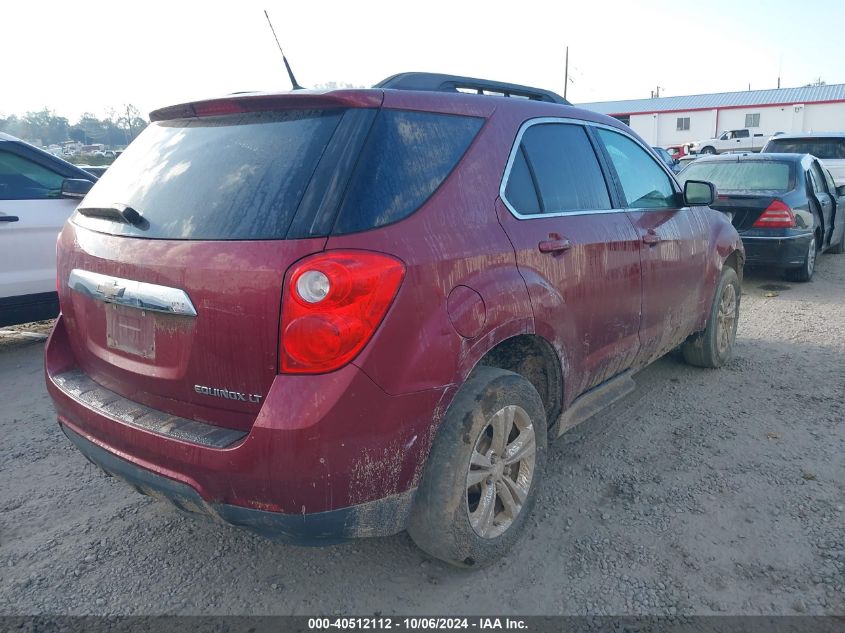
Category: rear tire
[484,471]
[805,272]
[713,347]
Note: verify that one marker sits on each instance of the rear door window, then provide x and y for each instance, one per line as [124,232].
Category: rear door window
[565,171]
[406,158]
[644,183]
[22,179]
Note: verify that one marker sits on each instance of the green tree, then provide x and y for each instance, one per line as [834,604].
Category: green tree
[130,120]
[89,130]
[119,128]
[46,127]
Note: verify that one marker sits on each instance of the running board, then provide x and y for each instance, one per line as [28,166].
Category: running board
[591,402]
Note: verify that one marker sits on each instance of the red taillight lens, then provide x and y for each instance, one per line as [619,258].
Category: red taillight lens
[332,304]
[776,216]
[58,283]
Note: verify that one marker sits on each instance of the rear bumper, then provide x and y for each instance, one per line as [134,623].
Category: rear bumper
[783,251]
[321,444]
[319,528]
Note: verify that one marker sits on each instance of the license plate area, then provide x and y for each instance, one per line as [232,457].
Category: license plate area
[131,330]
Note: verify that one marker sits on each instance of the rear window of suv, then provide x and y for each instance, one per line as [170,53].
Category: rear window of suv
[247,177]
[824,148]
[234,177]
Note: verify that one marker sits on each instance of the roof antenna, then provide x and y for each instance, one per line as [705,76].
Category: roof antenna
[295,85]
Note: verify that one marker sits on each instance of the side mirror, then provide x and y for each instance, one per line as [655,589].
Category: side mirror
[75,187]
[840,190]
[699,192]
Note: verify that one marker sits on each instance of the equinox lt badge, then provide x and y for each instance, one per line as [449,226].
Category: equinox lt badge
[228,395]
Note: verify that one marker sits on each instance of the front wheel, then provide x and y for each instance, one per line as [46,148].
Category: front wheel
[483,474]
[713,347]
[708,150]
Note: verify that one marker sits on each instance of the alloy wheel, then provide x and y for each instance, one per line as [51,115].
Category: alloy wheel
[500,472]
[811,258]
[726,320]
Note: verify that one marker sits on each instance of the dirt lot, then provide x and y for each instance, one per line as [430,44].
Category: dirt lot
[702,492]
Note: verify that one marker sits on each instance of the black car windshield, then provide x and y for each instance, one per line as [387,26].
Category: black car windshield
[768,175]
[824,148]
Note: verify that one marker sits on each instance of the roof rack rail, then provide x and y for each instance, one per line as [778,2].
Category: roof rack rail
[453,83]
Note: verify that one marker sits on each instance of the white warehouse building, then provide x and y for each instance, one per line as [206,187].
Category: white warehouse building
[667,121]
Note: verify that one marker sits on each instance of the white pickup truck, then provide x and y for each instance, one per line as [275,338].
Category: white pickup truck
[741,140]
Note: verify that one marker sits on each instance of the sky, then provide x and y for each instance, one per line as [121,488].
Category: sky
[75,57]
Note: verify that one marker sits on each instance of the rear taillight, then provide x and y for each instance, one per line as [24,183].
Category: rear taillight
[332,304]
[58,284]
[776,216]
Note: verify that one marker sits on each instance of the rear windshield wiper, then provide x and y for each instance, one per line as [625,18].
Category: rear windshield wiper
[117,212]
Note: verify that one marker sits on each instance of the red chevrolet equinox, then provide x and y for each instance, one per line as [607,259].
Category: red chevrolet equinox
[326,315]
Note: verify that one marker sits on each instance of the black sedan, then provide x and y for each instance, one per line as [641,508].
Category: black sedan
[784,207]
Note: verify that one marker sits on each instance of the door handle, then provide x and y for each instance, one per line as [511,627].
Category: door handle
[651,238]
[9,218]
[555,244]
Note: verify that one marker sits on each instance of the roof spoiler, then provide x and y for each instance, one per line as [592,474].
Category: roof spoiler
[238,103]
[436,82]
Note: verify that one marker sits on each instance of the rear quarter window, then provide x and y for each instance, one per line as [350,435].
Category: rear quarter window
[406,157]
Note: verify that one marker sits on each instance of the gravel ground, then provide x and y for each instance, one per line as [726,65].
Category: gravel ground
[702,492]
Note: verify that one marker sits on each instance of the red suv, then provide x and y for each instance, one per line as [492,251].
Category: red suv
[345,314]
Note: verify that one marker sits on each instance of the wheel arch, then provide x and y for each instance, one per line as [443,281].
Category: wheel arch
[735,260]
[535,359]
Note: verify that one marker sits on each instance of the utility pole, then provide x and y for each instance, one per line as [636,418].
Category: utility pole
[566,74]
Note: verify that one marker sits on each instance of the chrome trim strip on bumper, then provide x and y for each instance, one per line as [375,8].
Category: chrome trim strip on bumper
[78,386]
[766,237]
[134,294]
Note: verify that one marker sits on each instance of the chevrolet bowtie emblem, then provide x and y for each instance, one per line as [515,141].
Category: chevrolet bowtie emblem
[111,290]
